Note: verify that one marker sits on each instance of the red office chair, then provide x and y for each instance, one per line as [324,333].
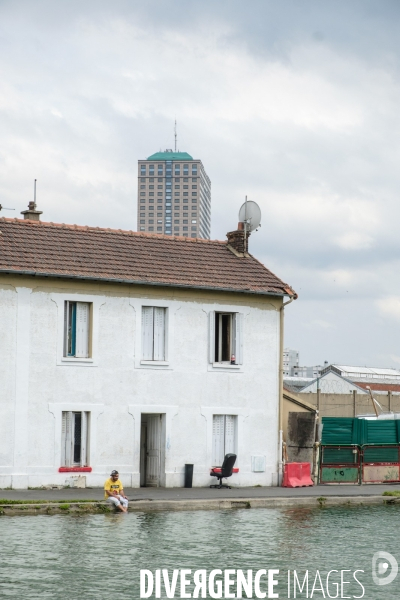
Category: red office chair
[225,471]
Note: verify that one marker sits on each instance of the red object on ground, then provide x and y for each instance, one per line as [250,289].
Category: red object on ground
[75,470]
[297,475]
[218,470]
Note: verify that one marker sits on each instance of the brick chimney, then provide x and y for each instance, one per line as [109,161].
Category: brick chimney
[32,214]
[238,241]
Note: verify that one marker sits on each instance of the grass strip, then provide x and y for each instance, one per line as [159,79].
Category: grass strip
[5,501]
[394,493]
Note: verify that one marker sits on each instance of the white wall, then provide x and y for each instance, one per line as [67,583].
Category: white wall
[332,383]
[37,384]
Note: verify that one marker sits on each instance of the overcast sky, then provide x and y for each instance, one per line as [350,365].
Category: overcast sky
[293,102]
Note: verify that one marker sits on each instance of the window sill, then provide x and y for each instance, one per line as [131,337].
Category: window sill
[75,470]
[69,359]
[155,363]
[225,365]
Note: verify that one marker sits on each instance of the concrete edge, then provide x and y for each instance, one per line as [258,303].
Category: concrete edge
[184,505]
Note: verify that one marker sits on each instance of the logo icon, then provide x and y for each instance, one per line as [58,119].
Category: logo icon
[380,568]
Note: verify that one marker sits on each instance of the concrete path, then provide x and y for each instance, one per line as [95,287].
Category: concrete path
[160,494]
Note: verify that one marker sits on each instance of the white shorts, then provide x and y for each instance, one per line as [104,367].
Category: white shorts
[117,500]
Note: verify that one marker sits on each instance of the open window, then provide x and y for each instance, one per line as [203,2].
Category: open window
[226,338]
[77,329]
[154,323]
[75,439]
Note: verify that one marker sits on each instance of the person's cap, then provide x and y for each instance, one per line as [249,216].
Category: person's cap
[114,472]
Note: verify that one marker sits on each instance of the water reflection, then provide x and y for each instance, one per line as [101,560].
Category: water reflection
[98,556]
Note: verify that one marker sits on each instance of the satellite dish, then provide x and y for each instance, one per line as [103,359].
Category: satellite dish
[250,215]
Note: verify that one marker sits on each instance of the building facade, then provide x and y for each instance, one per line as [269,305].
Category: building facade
[136,352]
[174,195]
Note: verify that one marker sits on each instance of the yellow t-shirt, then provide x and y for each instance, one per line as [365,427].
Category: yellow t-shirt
[112,486]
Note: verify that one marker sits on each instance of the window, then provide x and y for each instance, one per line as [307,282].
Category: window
[194,187]
[194,200]
[194,221]
[186,193]
[224,437]
[177,201]
[142,214]
[185,179]
[193,235]
[194,193]
[151,228]
[151,187]
[142,200]
[159,228]
[185,229]
[176,228]
[159,187]
[176,221]
[76,329]
[194,228]
[74,440]
[226,337]
[143,179]
[185,187]
[142,193]
[142,187]
[151,221]
[153,333]
[185,221]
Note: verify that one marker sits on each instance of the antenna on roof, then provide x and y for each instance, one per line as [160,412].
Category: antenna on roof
[176,135]
[34,191]
[4,208]
[250,216]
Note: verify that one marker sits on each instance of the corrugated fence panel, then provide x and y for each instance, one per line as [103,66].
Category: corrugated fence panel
[379,455]
[337,431]
[338,456]
[380,432]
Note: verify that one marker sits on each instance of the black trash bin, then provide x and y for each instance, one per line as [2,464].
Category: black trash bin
[188,476]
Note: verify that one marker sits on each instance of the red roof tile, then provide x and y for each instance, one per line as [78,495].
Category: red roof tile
[59,250]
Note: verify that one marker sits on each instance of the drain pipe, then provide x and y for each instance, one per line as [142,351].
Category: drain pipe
[293,296]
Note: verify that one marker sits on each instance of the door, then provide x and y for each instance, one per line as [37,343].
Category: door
[153,461]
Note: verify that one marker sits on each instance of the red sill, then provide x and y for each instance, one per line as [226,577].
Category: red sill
[75,470]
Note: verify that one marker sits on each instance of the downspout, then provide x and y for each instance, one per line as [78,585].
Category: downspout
[280,437]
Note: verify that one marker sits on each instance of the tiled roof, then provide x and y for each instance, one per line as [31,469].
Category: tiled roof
[49,249]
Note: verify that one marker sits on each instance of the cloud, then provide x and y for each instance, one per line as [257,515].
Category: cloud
[295,105]
[389,307]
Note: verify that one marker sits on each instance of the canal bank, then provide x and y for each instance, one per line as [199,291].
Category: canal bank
[81,501]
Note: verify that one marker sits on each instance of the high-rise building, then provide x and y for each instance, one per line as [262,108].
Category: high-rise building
[174,195]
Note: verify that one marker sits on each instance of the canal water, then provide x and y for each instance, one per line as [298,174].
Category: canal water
[100,556]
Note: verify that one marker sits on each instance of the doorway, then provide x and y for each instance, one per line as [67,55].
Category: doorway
[152,450]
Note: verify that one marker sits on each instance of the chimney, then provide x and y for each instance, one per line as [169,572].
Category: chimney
[32,214]
[239,240]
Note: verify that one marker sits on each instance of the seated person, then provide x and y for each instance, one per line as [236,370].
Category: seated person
[114,492]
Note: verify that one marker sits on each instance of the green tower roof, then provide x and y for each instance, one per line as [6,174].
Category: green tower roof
[170,156]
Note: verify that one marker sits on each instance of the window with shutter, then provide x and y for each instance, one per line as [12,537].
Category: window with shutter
[74,442]
[153,333]
[76,329]
[224,437]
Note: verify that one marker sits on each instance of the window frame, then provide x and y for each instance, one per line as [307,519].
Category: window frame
[68,432]
[95,302]
[228,441]
[237,339]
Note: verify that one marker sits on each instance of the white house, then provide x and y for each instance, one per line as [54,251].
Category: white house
[137,352]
